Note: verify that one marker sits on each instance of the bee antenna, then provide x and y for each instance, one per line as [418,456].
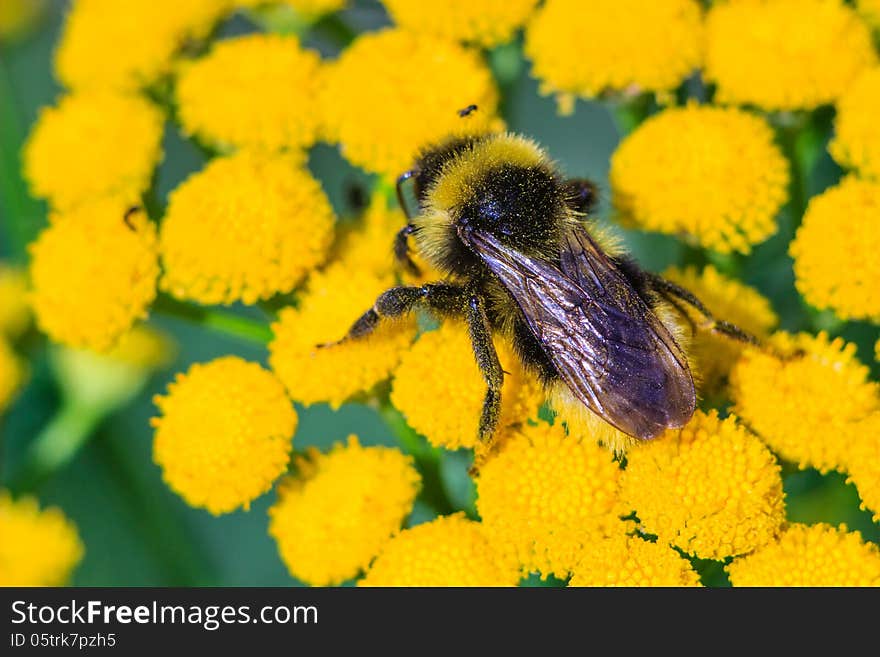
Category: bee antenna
[467,111]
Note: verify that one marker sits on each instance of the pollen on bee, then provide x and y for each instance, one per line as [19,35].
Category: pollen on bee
[580,420]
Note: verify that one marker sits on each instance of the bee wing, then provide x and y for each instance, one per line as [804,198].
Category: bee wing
[606,343]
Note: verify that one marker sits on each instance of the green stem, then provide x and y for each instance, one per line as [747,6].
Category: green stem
[58,442]
[427,458]
[221,321]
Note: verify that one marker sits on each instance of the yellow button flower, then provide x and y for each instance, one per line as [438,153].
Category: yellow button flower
[224,433]
[484,22]
[107,43]
[856,142]
[332,301]
[728,299]
[785,54]
[448,551]
[368,244]
[92,145]
[544,495]
[870,11]
[15,311]
[12,374]
[817,555]
[393,91]
[618,45]
[337,512]
[863,462]
[39,547]
[712,488]
[439,389]
[631,561]
[257,90]
[93,274]
[711,173]
[835,250]
[803,407]
[245,228]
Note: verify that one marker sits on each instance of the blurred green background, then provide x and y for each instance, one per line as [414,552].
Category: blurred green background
[135,530]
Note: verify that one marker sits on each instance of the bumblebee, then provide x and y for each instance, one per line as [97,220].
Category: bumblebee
[521,259]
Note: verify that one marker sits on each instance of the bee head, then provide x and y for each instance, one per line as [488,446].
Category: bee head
[520,205]
[500,184]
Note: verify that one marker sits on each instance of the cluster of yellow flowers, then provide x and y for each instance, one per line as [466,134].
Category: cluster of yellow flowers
[254,226]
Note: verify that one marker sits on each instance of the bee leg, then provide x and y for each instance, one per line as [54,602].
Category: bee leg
[401,250]
[580,195]
[398,301]
[490,366]
[669,289]
[680,309]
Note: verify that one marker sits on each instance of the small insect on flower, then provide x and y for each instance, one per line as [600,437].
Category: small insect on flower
[521,258]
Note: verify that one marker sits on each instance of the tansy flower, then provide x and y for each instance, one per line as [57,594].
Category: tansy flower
[870,11]
[544,495]
[15,311]
[368,245]
[224,433]
[448,551]
[39,547]
[863,462]
[727,299]
[856,142]
[92,145]
[802,406]
[267,86]
[246,227]
[631,561]
[711,488]
[107,43]
[93,274]
[620,45]
[339,509]
[11,374]
[711,173]
[393,91]
[817,555]
[835,250]
[484,22]
[784,54]
[440,390]
[332,301]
